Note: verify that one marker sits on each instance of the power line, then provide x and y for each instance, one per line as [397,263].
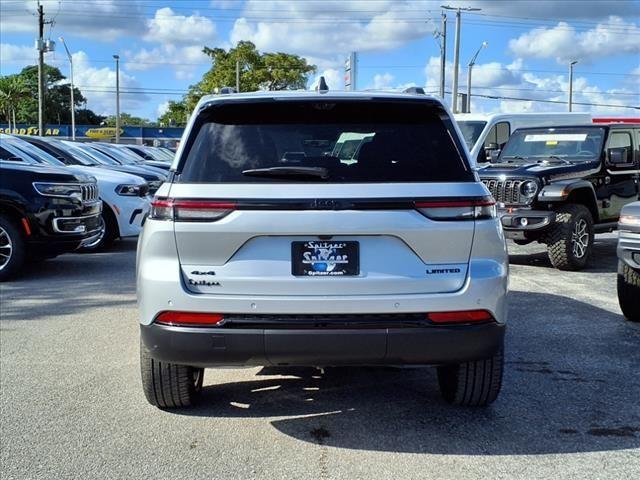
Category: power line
[336,16]
[382,66]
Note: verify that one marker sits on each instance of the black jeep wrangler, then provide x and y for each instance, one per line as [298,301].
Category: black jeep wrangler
[560,186]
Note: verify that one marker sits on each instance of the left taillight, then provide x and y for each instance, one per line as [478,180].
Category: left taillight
[475,209]
[189,210]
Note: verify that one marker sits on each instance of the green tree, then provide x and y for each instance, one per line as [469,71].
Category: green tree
[57,105]
[12,91]
[258,71]
[130,120]
[88,117]
[175,116]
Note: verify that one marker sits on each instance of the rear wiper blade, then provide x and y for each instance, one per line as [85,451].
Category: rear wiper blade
[320,172]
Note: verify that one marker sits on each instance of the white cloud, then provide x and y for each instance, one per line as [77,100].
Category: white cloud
[382,81]
[162,108]
[333,77]
[168,27]
[106,20]
[98,86]
[179,42]
[498,81]
[564,43]
[326,29]
[18,54]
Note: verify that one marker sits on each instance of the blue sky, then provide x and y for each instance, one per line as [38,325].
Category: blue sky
[530,44]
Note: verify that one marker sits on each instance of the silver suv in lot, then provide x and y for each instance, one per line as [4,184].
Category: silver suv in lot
[277,240]
[629,261]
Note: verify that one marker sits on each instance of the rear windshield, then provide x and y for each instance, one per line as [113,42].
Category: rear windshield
[350,142]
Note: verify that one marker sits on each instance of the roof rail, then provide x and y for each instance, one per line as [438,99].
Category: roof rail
[414,90]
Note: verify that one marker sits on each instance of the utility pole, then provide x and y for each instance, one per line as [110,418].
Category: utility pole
[456,54]
[73,104]
[443,54]
[41,47]
[571,84]
[469,69]
[117,59]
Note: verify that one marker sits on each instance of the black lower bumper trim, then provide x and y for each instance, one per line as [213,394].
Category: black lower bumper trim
[527,220]
[428,345]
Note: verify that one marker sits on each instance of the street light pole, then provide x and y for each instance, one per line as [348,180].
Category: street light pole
[469,69]
[41,92]
[117,59]
[571,84]
[456,53]
[73,104]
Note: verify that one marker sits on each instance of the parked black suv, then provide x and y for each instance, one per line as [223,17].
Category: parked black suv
[561,185]
[44,212]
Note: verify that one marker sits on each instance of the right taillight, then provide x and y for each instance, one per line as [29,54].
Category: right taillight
[473,209]
[189,210]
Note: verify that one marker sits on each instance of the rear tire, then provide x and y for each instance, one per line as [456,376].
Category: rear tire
[167,385]
[629,292]
[570,240]
[472,384]
[12,249]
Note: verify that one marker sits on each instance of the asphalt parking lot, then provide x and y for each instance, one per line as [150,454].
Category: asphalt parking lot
[72,405]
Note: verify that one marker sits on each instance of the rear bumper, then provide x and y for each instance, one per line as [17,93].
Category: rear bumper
[429,345]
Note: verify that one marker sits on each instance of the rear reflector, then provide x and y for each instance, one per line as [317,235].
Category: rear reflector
[189,318]
[189,210]
[467,316]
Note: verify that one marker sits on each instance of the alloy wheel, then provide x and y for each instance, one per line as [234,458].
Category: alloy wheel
[6,248]
[580,238]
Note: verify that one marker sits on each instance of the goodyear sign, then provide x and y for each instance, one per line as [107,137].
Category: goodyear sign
[28,131]
[96,132]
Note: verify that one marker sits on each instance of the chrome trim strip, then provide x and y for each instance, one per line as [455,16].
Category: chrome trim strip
[56,220]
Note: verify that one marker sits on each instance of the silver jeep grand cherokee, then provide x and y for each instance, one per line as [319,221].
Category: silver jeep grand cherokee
[322,229]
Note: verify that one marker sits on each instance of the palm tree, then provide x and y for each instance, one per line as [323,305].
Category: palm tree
[12,91]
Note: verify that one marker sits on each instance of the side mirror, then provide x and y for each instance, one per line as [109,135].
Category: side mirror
[617,156]
[492,146]
[494,155]
[14,159]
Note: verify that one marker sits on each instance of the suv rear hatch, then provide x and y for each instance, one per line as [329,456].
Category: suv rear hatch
[264,204]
